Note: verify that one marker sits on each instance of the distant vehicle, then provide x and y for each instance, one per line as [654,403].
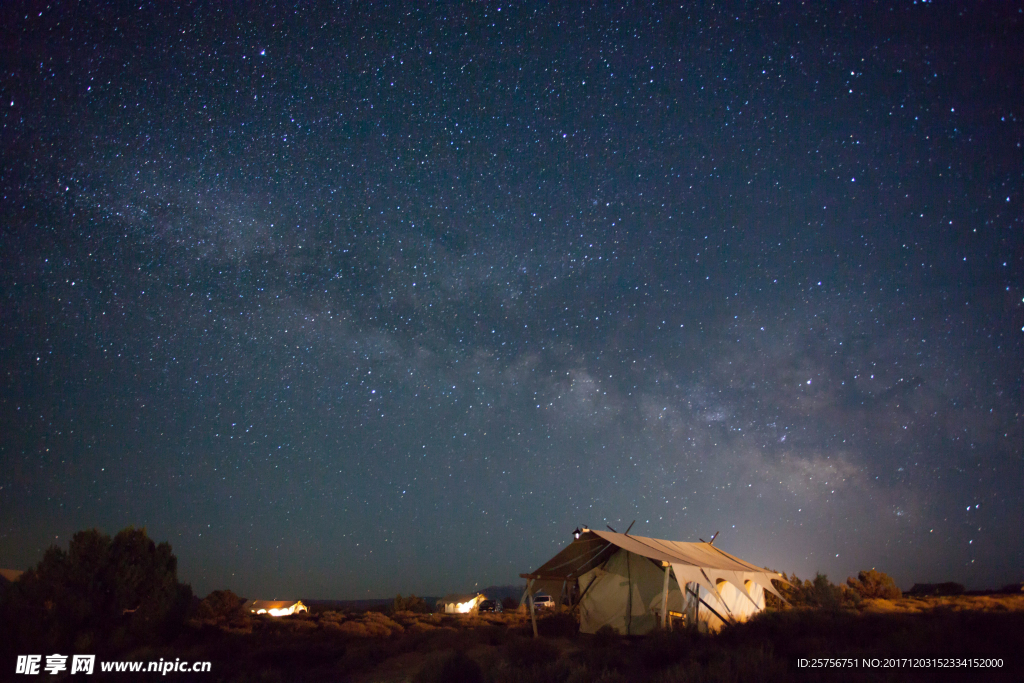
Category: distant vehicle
[543,601]
[490,606]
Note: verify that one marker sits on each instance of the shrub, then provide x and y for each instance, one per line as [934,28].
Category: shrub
[606,637]
[509,604]
[527,652]
[820,593]
[874,584]
[824,593]
[611,676]
[355,629]
[221,607]
[492,635]
[663,648]
[410,604]
[383,620]
[453,668]
[332,616]
[369,625]
[558,625]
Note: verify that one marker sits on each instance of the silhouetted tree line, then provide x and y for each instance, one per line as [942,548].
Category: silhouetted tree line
[101,594]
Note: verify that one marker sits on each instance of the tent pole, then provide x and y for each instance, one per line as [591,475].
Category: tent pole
[713,610]
[696,607]
[579,600]
[533,613]
[664,599]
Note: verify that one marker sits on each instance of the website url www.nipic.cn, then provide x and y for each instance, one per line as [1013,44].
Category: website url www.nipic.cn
[30,665]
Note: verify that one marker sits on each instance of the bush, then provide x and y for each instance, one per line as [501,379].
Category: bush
[820,593]
[368,625]
[509,604]
[410,604]
[332,615]
[453,668]
[874,584]
[527,652]
[220,607]
[825,594]
[606,637]
[663,648]
[562,624]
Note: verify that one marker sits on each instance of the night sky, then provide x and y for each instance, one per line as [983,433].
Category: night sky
[350,301]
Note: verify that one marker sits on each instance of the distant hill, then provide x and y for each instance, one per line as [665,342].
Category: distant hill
[502,592]
[492,592]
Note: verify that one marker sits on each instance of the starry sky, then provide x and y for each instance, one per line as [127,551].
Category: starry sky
[351,300]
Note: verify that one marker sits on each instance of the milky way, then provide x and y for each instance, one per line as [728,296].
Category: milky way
[353,302]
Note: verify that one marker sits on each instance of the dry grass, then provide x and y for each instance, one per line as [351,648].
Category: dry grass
[957,603]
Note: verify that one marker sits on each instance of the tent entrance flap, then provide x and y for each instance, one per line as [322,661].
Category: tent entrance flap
[628,594]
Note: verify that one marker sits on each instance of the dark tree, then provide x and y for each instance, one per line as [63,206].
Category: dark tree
[410,604]
[101,593]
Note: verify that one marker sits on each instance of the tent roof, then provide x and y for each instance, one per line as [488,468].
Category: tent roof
[593,548]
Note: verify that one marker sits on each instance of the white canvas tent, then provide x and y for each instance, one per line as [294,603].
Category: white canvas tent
[275,608]
[461,603]
[634,584]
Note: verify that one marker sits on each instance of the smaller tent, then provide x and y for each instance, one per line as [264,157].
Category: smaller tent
[275,608]
[460,603]
[634,583]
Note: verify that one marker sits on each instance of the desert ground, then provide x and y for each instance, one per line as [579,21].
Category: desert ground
[961,633]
